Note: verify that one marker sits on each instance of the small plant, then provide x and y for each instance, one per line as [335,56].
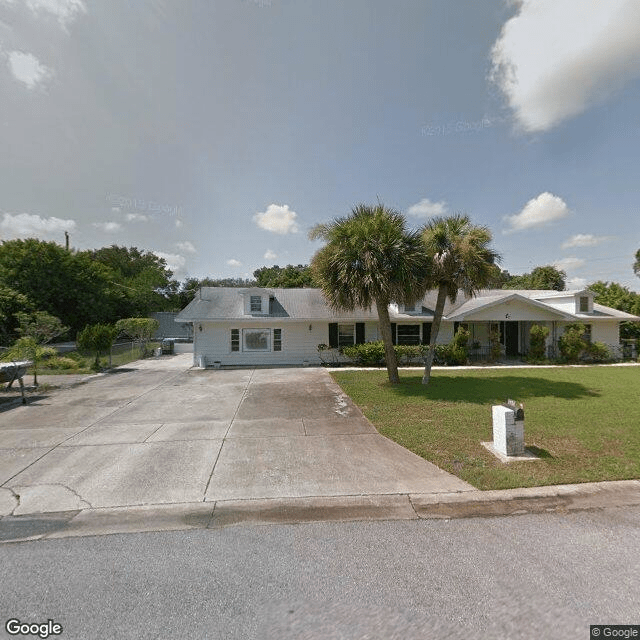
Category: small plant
[495,347]
[537,342]
[28,348]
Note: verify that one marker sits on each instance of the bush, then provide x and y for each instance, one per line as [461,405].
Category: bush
[537,342]
[96,338]
[495,345]
[598,352]
[411,353]
[367,354]
[62,362]
[572,343]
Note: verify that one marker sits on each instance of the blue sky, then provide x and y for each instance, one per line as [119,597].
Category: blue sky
[217,133]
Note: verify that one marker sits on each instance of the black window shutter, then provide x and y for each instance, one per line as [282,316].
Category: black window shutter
[455,327]
[394,334]
[333,335]
[426,333]
[359,332]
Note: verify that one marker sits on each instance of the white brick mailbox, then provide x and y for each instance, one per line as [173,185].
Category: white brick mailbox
[508,430]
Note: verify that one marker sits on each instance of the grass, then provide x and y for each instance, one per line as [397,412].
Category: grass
[74,362]
[583,422]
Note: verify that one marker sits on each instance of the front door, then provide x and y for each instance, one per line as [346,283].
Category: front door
[511,338]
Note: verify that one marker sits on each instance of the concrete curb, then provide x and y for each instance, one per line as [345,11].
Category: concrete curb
[226,513]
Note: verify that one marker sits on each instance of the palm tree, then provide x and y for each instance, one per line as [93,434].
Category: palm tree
[370,258]
[461,259]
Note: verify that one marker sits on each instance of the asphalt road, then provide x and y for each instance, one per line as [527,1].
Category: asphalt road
[531,576]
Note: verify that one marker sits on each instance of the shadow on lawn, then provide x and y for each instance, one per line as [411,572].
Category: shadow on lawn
[493,390]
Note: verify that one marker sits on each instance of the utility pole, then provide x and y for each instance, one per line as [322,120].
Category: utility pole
[66,240]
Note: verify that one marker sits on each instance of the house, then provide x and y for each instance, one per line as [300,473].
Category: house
[255,326]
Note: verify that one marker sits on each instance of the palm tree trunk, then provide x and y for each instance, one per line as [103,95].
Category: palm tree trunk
[389,352]
[435,328]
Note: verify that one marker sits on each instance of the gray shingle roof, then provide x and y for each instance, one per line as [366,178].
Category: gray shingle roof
[227,303]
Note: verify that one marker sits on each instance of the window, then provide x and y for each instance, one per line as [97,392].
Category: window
[256,339]
[584,304]
[587,333]
[235,339]
[277,339]
[346,335]
[408,334]
[255,304]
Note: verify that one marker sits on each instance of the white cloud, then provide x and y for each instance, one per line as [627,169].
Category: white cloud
[270,255]
[427,209]
[175,262]
[108,227]
[556,58]
[27,225]
[178,223]
[66,11]
[583,240]
[234,263]
[576,283]
[186,246]
[136,217]
[538,212]
[278,219]
[26,68]
[569,264]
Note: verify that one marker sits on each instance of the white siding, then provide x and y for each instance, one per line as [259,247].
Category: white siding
[298,343]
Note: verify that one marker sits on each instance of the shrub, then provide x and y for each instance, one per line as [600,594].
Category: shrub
[495,346]
[62,362]
[598,352]
[96,338]
[572,343]
[366,354]
[410,353]
[537,342]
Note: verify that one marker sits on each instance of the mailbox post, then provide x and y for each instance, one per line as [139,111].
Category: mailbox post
[508,429]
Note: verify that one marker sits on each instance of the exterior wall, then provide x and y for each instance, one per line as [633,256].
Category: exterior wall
[445,335]
[298,343]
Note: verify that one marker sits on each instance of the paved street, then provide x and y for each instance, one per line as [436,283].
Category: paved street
[157,433]
[544,576]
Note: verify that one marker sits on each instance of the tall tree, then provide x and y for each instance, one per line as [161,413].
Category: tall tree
[636,264]
[12,303]
[284,277]
[72,287]
[142,279]
[460,259]
[614,295]
[370,258]
[547,277]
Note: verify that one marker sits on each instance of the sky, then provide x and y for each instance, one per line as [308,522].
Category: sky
[217,133]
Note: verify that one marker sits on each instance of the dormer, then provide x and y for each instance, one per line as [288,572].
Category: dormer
[411,307]
[584,301]
[256,302]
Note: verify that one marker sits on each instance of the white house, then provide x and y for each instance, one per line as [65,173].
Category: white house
[254,326]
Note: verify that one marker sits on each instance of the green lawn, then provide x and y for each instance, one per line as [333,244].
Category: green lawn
[584,422]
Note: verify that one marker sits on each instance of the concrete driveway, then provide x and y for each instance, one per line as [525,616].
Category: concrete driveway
[158,432]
